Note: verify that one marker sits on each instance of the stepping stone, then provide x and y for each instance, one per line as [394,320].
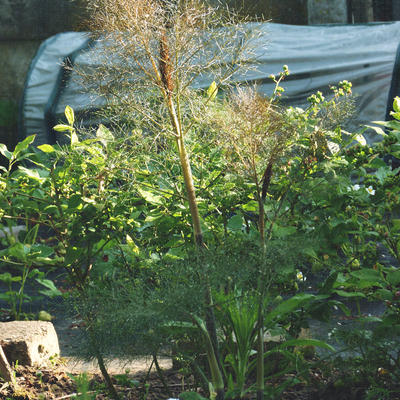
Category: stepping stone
[28,342]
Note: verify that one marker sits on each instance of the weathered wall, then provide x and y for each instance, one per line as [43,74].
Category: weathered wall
[24,24]
[282,11]
[327,12]
[35,19]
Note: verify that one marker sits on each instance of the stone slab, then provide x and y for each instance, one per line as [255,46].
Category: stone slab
[28,342]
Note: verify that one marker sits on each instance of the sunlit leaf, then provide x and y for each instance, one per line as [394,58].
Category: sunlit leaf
[69,113]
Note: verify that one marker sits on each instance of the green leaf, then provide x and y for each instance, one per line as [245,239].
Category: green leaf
[46,148]
[235,223]
[366,274]
[33,173]
[63,128]
[389,124]
[251,206]
[8,278]
[396,225]
[283,231]
[212,91]
[52,290]
[150,197]
[19,251]
[377,130]
[342,293]
[69,113]
[369,319]
[288,306]
[74,138]
[395,115]
[329,283]
[393,277]
[306,342]
[361,139]
[384,294]
[24,144]
[5,152]
[132,245]
[104,134]
[396,104]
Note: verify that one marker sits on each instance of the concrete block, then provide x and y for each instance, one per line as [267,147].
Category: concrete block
[29,342]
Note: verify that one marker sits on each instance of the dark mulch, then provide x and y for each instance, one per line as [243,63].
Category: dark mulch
[52,384]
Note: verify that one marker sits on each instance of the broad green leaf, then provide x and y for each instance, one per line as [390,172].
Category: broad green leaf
[329,283]
[52,290]
[69,113]
[75,201]
[288,305]
[33,173]
[24,144]
[306,342]
[377,130]
[8,278]
[367,275]
[46,148]
[5,152]
[384,294]
[393,277]
[361,139]
[395,115]
[333,147]
[382,173]
[251,206]
[150,197]
[63,128]
[74,138]
[235,223]
[396,225]
[104,134]
[369,319]
[377,163]
[283,231]
[19,251]
[132,245]
[212,91]
[396,104]
[342,293]
[389,124]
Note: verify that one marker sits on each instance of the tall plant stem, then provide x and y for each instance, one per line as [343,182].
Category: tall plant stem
[197,231]
[104,372]
[261,290]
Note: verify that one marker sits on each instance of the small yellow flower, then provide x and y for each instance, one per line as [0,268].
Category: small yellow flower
[300,276]
[370,190]
[382,371]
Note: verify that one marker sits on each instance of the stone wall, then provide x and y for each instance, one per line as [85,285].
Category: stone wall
[327,12]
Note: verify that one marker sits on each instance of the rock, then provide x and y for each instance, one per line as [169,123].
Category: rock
[5,369]
[29,342]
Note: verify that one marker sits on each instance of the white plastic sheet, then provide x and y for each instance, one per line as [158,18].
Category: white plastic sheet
[318,57]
